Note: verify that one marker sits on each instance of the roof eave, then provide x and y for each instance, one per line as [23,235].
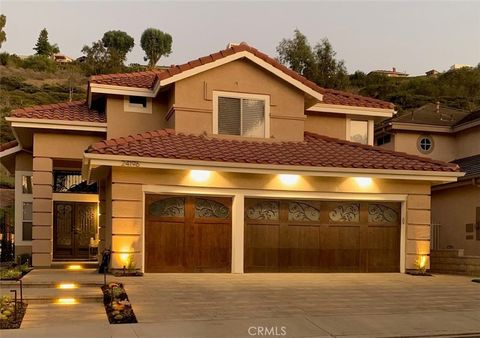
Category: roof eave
[92,160]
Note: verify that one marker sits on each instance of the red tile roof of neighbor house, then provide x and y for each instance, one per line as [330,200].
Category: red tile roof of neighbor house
[8,145]
[66,111]
[315,151]
[148,79]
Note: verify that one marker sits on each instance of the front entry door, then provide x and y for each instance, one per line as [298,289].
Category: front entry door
[74,224]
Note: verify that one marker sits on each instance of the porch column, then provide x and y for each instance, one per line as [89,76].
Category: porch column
[238,225]
[42,220]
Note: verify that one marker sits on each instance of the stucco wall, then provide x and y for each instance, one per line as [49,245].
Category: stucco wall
[46,148]
[124,123]
[468,142]
[127,202]
[327,124]
[444,145]
[194,98]
[452,209]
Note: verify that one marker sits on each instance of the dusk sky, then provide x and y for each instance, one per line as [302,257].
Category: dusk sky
[411,36]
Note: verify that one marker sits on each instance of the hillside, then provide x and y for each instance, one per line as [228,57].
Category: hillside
[21,87]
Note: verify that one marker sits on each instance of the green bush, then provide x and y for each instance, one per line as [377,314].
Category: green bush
[39,63]
[4,58]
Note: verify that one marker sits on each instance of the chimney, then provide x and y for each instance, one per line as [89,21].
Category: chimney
[394,69]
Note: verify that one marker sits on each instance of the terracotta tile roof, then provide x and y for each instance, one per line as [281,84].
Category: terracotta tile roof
[8,145]
[316,150]
[67,111]
[470,165]
[149,78]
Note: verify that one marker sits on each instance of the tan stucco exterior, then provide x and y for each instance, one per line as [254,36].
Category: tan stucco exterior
[468,142]
[327,124]
[454,208]
[194,99]
[129,186]
[444,148]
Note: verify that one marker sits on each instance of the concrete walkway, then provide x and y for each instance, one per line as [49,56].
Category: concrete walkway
[259,305]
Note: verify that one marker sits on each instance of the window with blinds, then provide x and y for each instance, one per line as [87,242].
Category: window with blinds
[239,116]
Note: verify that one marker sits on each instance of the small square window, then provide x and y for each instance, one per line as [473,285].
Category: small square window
[27,211]
[27,184]
[138,101]
[241,116]
[27,231]
[359,131]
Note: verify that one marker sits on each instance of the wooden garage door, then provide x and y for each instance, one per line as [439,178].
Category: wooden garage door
[303,236]
[187,234]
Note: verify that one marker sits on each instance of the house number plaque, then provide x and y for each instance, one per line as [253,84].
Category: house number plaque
[135,164]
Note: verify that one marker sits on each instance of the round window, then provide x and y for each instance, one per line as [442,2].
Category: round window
[425,144]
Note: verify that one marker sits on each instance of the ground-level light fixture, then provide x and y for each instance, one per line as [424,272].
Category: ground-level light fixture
[288,179]
[74,267]
[66,301]
[363,181]
[200,175]
[67,286]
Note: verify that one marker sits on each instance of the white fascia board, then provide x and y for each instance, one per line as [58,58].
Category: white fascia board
[57,124]
[467,125]
[121,90]
[351,110]
[97,160]
[11,151]
[425,128]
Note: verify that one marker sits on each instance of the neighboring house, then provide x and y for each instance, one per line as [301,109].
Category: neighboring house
[451,135]
[432,72]
[61,58]
[459,66]
[389,73]
[230,162]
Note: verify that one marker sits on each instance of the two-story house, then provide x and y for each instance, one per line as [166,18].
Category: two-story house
[230,162]
[450,135]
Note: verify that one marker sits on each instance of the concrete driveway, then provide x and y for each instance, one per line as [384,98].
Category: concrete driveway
[268,305]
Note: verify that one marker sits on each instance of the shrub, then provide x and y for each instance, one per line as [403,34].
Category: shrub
[4,58]
[39,63]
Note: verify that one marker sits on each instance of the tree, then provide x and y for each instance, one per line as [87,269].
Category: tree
[3,36]
[329,72]
[297,54]
[96,59]
[43,46]
[156,44]
[318,64]
[118,44]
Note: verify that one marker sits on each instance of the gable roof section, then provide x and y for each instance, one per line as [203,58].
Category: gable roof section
[432,114]
[67,111]
[149,79]
[315,151]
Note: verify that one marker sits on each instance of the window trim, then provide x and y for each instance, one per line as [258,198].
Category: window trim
[136,108]
[238,95]
[432,145]
[370,129]
[20,198]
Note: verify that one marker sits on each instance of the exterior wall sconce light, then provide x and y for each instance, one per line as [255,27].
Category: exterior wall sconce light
[363,182]
[200,175]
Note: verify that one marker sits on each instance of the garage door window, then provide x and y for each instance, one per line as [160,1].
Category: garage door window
[381,214]
[263,210]
[345,213]
[168,207]
[207,208]
[303,211]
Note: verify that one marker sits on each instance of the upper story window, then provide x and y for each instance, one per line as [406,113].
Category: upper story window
[26,184]
[383,139]
[138,104]
[358,131]
[425,144]
[241,114]
[72,182]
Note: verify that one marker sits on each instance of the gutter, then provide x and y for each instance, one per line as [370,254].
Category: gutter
[92,161]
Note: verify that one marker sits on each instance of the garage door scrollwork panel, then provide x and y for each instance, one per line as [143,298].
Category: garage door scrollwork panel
[207,208]
[345,213]
[379,213]
[168,207]
[302,211]
[264,210]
